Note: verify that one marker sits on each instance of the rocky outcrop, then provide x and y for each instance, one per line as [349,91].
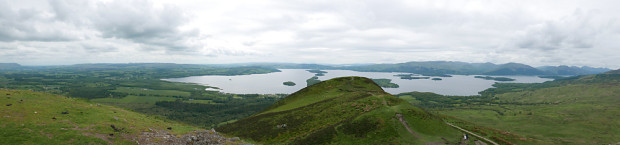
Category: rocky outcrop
[210,137]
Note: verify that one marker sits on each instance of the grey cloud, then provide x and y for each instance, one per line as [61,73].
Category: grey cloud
[576,31]
[31,24]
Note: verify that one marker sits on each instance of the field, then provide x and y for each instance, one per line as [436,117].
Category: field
[578,110]
[41,118]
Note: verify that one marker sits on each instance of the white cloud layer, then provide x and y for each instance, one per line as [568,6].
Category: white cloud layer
[39,32]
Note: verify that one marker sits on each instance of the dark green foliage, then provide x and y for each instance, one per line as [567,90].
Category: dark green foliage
[412,78]
[552,77]
[386,83]
[495,78]
[289,83]
[359,127]
[323,136]
[437,79]
[313,80]
[436,75]
[316,71]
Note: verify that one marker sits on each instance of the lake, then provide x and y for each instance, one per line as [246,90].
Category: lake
[271,83]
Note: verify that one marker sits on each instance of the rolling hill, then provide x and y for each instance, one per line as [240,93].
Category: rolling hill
[40,118]
[346,110]
[575,110]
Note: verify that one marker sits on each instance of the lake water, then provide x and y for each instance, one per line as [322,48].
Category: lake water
[271,83]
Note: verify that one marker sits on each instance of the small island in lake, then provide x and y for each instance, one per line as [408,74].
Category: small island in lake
[437,79]
[289,83]
[495,78]
[436,75]
[552,77]
[385,83]
[313,80]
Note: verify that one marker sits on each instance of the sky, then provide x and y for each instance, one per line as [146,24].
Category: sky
[533,32]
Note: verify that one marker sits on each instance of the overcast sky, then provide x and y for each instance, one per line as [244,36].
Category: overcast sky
[537,32]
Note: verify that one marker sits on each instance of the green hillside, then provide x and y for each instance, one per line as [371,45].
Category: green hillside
[347,110]
[576,110]
[41,118]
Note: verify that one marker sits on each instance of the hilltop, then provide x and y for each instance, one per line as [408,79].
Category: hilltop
[41,118]
[346,110]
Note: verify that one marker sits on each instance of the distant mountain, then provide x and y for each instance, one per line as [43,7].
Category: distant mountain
[347,110]
[9,66]
[613,72]
[429,67]
[515,69]
[572,70]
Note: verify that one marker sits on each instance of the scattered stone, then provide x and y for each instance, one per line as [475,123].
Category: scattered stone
[116,118]
[64,112]
[169,128]
[8,94]
[54,117]
[8,97]
[9,104]
[35,112]
[111,134]
[114,111]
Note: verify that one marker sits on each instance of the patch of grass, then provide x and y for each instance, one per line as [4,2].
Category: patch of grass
[134,100]
[42,118]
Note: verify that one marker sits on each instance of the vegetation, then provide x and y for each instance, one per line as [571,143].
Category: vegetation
[437,79]
[289,83]
[347,110]
[138,87]
[495,78]
[574,110]
[552,77]
[43,118]
[411,77]
[436,75]
[313,80]
[316,71]
[385,83]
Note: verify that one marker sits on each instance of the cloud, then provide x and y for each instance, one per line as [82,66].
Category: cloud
[576,31]
[318,31]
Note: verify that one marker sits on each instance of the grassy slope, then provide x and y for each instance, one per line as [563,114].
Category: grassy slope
[575,114]
[348,110]
[578,111]
[85,122]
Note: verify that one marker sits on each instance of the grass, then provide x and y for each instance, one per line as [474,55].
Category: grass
[38,118]
[150,92]
[134,100]
[348,110]
[571,113]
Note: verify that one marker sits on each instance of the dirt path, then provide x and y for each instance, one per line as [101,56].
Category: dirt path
[404,122]
[488,140]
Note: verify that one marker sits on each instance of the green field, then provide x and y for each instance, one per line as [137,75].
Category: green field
[42,118]
[578,110]
[150,92]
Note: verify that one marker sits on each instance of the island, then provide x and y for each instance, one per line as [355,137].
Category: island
[552,77]
[385,83]
[289,83]
[436,75]
[495,78]
[317,72]
[436,79]
[313,80]
[412,78]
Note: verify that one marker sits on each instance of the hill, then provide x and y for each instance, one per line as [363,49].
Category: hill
[571,70]
[515,69]
[41,118]
[5,66]
[429,67]
[347,110]
[575,110]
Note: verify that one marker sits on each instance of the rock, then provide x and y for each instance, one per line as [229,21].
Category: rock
[169,128]
[64,112]
[9,104]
